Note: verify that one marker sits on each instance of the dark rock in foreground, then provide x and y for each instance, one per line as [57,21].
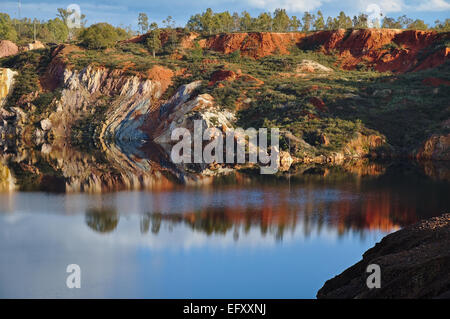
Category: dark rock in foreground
[414,262]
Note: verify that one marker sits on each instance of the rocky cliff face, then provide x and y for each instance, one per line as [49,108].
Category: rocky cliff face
[130,109]
[7,129]
[256,44]
[6,83]
[129,99]
[384,49]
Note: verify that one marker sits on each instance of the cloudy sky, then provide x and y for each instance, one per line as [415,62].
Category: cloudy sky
[124,12]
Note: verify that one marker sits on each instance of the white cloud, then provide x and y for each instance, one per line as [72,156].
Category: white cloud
[392,5]
[289,5]
[433,5]
[386,6]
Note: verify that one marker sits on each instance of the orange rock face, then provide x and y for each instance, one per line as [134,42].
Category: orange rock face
[352,47]
[161,74]
[254,44]
[368,46]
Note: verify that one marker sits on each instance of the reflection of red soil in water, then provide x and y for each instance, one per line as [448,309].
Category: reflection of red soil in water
[378,211]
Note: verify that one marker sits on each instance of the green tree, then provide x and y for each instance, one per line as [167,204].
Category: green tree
[64,15]
[330,24]
[319,23]
[360,21]
[58,30]
[246,21]
[99,36]
[281,21]
[143,22]
[235,56]
[195,23]
[207,21]
[294,24]
[7,30]
[342,21]
[236,22]
[404,21]
[223,22]
[308,21]
[154,39]
[442,26]
[169,22]
[418,25]
[264,22]
[391,23]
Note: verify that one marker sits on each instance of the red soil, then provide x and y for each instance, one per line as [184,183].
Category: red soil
[255,44]
[229,76]
[161,74]
[352,47]
[318,103]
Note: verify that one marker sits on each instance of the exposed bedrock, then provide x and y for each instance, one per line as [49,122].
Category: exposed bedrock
[414,263]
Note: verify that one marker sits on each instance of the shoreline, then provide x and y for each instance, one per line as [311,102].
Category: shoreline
[414,263]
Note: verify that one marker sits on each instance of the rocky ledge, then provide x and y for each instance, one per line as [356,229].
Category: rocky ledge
[414,262]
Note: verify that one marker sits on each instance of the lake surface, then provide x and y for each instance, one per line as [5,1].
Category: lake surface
[241,237]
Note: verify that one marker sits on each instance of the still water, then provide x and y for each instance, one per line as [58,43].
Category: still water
[239,238]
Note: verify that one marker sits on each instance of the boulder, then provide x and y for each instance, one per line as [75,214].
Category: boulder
[46,125]
[309,66]
[35,45]
[8,48]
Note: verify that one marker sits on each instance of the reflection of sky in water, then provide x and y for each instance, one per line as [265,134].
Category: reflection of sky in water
[41,234]
[165,202]
[176,263]
[238,241]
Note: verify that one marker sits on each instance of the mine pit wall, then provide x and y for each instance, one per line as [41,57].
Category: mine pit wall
[351,46]
[129,100]
[6,84]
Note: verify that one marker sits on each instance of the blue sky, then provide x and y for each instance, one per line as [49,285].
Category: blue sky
[123,12]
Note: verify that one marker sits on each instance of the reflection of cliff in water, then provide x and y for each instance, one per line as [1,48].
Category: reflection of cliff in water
[61,168]
[275,219]
[339,202]
[141,165]
[359,196]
